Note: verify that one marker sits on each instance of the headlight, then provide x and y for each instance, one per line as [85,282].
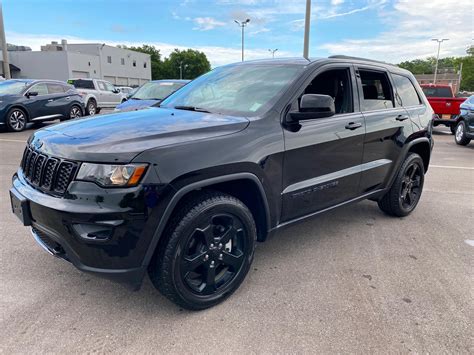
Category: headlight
[112,175]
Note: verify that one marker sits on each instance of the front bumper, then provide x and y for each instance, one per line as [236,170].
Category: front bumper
[101,231]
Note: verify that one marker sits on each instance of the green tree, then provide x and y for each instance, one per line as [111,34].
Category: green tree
[193,63]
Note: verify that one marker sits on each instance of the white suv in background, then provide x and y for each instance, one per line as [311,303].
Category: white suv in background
[98,94]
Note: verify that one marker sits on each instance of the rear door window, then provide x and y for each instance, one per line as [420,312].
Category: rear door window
[406,90]
[377,93]
[55,88]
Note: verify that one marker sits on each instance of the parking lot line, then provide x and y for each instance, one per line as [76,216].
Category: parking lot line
[451,167]
[11,140]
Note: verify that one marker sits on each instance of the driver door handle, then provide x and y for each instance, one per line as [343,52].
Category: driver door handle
[353,125]
[401,117]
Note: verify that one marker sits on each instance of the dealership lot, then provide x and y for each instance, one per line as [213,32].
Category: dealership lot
[352,280]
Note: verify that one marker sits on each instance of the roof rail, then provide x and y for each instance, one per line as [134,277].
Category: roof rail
[359,58]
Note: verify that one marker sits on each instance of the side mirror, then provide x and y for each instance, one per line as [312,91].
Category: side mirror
[314,106]
[116,91]
[32,93]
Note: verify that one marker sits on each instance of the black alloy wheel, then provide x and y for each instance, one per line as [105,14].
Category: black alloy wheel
[206,251]
[411,186]
[213,255]
[404,195]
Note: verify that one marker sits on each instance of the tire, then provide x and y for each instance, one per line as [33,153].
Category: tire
[405,193]
[460,134]
[16,120]
[91,107]
[74,112]
[212,236]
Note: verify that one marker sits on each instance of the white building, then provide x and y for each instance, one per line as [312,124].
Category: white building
[62,61]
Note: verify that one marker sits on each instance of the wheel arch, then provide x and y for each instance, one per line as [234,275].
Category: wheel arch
[21,107]
[423,149]
[236,185]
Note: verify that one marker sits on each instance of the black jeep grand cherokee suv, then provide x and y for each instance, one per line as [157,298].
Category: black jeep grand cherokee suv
[185,190]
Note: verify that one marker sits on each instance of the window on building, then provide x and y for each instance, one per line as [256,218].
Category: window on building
[109,59]
[122,61]
[406,90]
[377,92]
[144,65]
[134,63]
[89,63]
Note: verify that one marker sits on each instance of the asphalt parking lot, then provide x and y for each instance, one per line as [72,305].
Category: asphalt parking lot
[353,280]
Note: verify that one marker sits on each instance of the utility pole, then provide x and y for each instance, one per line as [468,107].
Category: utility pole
[272,51]
[437,57]
[307,25]
[242,25]
[6,64]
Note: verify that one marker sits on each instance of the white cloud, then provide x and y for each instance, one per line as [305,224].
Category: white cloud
[207,23]
[216,55]
[410,27]
[336,2]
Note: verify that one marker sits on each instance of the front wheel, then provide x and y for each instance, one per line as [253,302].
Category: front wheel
[405,192]
[460,135]
[16,120]
[206,251]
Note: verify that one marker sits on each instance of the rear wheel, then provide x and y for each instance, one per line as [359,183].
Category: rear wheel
[16,120]
[460,135]
[405,193]
[206,251]
[91,107]
[75,112]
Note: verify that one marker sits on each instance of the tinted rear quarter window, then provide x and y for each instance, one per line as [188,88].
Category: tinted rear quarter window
[82,84]
[406,90]
[376,90]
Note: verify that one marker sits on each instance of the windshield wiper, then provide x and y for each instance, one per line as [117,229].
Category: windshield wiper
[191,108]
[134,98]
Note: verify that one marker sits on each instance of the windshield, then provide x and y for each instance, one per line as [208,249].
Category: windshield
[156,91]
[437,92]
[12,87]
[241,90]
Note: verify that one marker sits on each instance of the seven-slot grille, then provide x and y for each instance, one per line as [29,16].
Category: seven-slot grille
[46,173]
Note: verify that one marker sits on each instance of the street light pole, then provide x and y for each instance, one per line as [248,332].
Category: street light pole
[242,25]
[437,56]
[272,51]
[307,24]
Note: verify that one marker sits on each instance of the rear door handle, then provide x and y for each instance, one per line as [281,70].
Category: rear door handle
[402,117]
[50,100]
[353,125]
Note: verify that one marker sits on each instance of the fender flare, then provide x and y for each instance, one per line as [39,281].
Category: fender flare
[404,154]
[193,186]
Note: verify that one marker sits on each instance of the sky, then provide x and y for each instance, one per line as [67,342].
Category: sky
[387,30]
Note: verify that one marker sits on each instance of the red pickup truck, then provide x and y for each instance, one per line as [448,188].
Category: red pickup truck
[444,104]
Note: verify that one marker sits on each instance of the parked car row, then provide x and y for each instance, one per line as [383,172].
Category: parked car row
[23,101]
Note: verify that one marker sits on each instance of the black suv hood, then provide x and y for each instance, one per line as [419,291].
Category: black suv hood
[120,137]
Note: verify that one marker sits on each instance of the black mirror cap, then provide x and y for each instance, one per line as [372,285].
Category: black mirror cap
[32,93]
[314,106]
